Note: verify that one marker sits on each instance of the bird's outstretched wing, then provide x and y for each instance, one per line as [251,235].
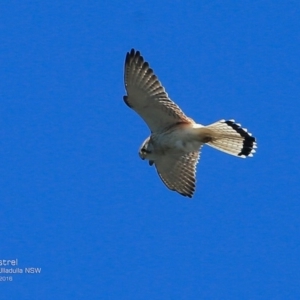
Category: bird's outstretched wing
[147,97]
[179,172]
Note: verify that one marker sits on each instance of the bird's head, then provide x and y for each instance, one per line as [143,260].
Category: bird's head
[146,149]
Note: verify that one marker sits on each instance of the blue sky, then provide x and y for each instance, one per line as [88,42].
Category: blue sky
[78,202]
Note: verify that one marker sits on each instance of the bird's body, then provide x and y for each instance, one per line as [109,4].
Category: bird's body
[176,140]
[181,139]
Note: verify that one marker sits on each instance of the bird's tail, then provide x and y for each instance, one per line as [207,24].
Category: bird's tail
[230,137]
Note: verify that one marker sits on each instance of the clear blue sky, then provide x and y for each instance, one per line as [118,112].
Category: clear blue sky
[78,202]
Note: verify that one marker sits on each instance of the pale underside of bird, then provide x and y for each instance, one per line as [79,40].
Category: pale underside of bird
[176,140]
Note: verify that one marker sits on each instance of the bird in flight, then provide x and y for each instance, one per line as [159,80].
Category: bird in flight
[175,142]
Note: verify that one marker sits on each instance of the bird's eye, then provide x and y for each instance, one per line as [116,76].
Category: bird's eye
[144,150]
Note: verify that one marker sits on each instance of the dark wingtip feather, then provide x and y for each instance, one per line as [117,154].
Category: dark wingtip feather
[131,55]
[190,195]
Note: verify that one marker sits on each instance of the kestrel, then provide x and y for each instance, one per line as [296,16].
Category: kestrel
[176,140]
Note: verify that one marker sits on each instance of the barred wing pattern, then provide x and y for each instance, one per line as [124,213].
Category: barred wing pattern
[179,172]
[147,96]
